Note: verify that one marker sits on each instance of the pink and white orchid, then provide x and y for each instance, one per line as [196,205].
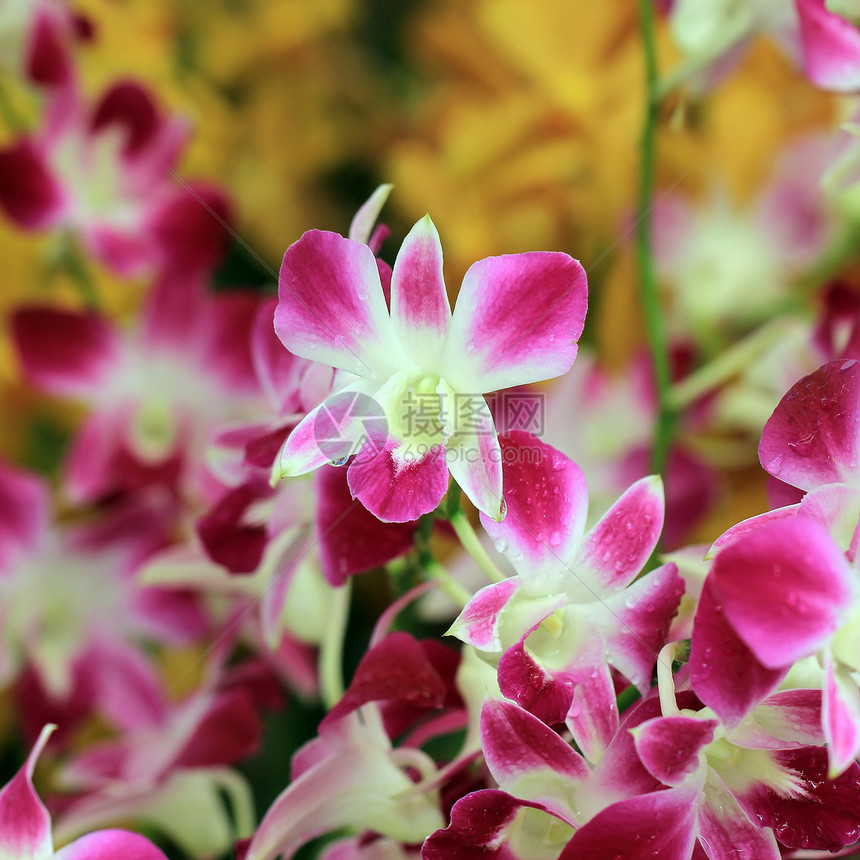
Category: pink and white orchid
[714,33]
[574,609]
[25,825]
[415,408]
[105,173]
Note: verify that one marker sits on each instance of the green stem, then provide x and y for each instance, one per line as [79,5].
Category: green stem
[463,528]
[70,259]
[331,648]
[645,263]
[431,568]
[9,114]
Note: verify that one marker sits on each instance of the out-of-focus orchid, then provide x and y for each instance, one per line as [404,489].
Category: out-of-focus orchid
[25,825]
[69,601]
[106,174]
[157,393]
[351,776]
[713,34]
[36,38]
[169,768]
[573,609]
[785,230]
[416,408]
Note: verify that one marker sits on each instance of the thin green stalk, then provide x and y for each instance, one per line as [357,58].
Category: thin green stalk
[331,648]
[471,543]
[69,258]
[431,568]
[645,263]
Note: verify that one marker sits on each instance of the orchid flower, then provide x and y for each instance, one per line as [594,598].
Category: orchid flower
[713,33]
[157,393]
[415,407]
[105,173]
[36,38]
[573,609]
[25,825]
[67,596]
[757,783]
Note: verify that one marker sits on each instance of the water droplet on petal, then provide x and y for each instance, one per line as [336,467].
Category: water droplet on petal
[340,461]
[470,346]
[500,544]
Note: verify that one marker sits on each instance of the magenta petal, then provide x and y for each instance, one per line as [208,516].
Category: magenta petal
[593,713]
[230,730]
[823,817]
[48,54]
[785,719]
[517,744]
[617,547]
[419,302]
[110,845]
[277,369]
[25,826]
[478,623]
[669,746]
[831,47]
[331,307]
[480,822]
[726,675]
[130,109]
[396,669]
[751,524]
[29,194]
[395,490]
[784,589]
[351,539]
[636,627]
[811,439]
[65,352]
[547,502]
[841,717]
[656,826]
[516,321]
[24,503]
[727,830]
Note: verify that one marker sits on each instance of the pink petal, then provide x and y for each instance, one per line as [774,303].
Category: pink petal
[478,623]
[823,817]
[546,500]
[129,108]
[419,303]
[670,747]
[516,321]
[227,341]
[25,826]
[784,589]
[474,457]
[276,367]
[725,829]
[109,845]
[29,193]
[351,539]
[811,439]
[395,490]
[656,826]
[784,720]
[24,506]
[831,47]
[841,717]
[229,731]
[396,669]
[726,675]
[480,826]
[593,713]
[752,524]
[331,307]
[191,228]
[49,60]
[334,431]
[517,744]
[617,547]
[65,352]
[361,227]
[637,622]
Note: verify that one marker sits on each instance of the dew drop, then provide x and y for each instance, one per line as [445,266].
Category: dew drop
[470,346]
[500,544]
[340,461]
[503,510]
[555,539]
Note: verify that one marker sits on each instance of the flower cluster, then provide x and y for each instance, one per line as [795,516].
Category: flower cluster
[358,566]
